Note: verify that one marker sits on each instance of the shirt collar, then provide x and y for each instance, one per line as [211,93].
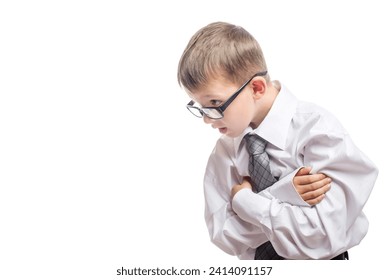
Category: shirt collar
[274,128]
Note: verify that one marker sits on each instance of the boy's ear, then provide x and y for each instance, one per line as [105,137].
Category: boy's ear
[259,87]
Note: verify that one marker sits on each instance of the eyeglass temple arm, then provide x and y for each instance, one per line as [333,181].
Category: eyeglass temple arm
[225,105]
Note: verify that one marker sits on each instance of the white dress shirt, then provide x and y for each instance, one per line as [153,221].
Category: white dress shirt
[298,134]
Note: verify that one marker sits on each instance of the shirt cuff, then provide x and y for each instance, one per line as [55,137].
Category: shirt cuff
[285,191]
[252,208]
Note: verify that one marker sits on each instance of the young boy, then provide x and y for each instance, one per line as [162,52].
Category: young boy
[224,72]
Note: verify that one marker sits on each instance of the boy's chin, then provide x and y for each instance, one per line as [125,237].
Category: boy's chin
[230,133]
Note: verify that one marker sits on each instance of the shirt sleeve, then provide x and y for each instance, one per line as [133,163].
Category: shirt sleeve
[227,230]
[332,226]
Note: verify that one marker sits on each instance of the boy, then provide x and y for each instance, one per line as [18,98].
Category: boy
[221,58]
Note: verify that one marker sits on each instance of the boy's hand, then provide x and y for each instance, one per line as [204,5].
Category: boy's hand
[311,188]
[245,185]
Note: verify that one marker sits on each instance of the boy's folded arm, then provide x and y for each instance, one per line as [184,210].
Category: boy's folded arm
[327,229]
[227,230]
[232,234]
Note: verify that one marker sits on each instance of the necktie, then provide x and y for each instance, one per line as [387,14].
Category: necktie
[261,178]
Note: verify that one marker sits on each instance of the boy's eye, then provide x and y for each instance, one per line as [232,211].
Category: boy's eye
[215,103]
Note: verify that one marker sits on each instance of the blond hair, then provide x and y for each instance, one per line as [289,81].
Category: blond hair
[220,49]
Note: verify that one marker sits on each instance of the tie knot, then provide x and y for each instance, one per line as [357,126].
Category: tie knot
[255,144]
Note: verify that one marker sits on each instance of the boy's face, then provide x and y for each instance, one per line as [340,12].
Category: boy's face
[238,115]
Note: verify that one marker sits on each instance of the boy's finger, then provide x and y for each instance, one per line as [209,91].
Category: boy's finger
[315,201]
[315,194]
[304,171]
[310,179]
[320,184]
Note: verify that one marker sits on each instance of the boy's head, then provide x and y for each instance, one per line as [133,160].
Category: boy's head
[220,49]
[224,63]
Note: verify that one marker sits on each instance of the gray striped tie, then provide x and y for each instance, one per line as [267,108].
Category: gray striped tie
[261,178]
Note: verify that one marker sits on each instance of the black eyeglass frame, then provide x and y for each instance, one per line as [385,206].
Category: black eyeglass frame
[222,108]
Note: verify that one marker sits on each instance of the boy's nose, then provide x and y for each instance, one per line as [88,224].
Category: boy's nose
[207,120]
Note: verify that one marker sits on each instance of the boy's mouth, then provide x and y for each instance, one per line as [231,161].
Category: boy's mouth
[223,130]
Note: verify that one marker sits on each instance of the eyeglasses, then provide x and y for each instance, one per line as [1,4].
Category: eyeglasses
[217,112]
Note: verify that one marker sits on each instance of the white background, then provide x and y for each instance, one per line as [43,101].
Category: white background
[101,165]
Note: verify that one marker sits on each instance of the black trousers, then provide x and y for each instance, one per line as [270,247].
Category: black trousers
[343,256]
[266,252]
